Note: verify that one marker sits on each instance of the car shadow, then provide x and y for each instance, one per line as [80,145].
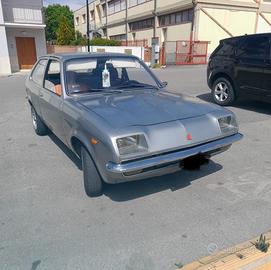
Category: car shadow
[136,189]
[245,104]
[75,159]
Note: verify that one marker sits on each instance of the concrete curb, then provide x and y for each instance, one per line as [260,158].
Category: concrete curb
[244,256]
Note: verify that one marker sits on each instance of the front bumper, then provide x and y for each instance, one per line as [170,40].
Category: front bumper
[166,163]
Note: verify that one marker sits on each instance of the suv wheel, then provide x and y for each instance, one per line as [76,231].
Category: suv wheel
[223,92]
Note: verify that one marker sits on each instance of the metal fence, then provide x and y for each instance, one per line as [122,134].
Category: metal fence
[185,52]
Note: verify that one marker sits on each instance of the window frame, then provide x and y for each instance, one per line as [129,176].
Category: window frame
[167,18]
[33,70]
[49,60]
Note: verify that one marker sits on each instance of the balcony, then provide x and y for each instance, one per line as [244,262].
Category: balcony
[22,15]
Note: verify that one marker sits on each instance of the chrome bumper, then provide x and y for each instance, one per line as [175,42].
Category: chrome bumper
[210,149]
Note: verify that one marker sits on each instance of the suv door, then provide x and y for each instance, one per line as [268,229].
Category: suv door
[267,81]
[51,99]
[251,57]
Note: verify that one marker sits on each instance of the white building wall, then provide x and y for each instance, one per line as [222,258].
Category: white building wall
[12,33]
[4,57]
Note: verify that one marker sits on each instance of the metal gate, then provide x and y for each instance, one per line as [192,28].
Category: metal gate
[185,52]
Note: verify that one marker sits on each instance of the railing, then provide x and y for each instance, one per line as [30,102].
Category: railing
[22,15]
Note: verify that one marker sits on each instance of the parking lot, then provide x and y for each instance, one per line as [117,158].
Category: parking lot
[47,221]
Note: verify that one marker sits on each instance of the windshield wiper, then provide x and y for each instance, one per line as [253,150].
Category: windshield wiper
[136,85]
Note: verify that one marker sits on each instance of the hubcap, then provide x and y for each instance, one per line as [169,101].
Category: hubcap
[221,91]
[34,119]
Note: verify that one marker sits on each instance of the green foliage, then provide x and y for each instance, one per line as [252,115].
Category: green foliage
[104,42]
[53,15]
[79,40]
[261,244]
[156,65]
[64,33]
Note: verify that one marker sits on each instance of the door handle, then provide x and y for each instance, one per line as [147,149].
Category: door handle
[40,94]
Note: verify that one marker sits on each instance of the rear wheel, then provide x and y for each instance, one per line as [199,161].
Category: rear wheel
[223,92]
[38,125]
[92,180]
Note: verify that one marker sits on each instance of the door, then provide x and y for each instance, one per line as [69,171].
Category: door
[267,81]
[26,52]
[51,99]
[251,58]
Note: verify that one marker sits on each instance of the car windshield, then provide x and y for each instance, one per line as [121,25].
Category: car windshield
[107,74]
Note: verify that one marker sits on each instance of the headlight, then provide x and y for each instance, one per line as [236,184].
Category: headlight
[228,124]
[132,144]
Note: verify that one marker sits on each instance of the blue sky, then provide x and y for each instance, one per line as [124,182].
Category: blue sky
[74,4]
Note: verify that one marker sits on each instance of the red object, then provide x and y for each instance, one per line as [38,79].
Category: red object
[189,137]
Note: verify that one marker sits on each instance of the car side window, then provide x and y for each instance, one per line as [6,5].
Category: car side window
[38,72]
[52,80]
[254,47]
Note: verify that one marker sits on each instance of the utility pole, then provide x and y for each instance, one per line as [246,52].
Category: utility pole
[88,25]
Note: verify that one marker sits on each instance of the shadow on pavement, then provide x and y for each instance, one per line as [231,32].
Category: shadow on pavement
[133,190]
[66,151]
[245,104]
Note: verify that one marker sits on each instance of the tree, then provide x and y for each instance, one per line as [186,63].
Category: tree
[53,15]
[64,33]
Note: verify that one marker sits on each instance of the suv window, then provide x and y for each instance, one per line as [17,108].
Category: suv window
[226,48]
[52,76]
[254,47]
[38,72]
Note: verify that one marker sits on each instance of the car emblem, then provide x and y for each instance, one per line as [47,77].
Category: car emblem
[189,137]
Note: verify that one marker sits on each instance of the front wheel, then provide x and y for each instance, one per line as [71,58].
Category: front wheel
[223,92]
[92,180]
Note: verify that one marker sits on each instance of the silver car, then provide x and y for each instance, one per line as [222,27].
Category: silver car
[119,118]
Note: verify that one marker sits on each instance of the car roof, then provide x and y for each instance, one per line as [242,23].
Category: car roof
[251,35]
[68,56]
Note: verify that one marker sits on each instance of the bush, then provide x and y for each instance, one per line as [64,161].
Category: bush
[104,42]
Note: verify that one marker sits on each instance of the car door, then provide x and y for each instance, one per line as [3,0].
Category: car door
[51,98]
[35,84]
[250,62]
[267,71]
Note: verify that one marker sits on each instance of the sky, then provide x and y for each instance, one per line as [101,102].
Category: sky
[74,4]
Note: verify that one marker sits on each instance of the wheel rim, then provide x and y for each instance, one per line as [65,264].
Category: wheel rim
[34,118]
[221,91]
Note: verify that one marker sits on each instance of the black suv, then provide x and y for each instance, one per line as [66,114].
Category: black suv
[240,66]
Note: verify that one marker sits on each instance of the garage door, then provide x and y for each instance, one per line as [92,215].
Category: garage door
[26,51]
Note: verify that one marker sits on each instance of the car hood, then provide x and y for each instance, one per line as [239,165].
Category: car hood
[145,107]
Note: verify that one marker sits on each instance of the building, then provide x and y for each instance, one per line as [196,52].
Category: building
[22,34]
[172,20]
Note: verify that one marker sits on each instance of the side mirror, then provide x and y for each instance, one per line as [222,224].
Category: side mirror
[58,90]
[164,84]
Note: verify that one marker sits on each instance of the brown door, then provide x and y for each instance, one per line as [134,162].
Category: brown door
[26,51]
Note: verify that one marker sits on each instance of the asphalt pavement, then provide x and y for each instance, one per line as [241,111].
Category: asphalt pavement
[47,221]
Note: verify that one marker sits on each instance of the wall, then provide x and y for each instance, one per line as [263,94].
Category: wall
[39,36]
[116,30]
[144,34]
[4,57]
[237,22]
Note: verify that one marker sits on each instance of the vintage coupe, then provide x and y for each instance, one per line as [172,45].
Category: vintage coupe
[117,116]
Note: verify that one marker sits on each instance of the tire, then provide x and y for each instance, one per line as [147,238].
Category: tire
[223,92]
[40,128]
[92,180]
